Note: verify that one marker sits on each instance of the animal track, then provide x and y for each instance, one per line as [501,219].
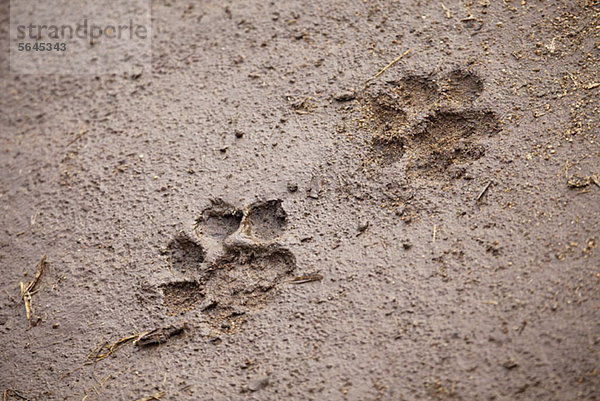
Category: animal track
[267,219]
[388,150]
[244,278]
[181,296]
[236,262]
[184,253]
[433,123]
[416,92]
[448,139]
[219,220]
[461,87]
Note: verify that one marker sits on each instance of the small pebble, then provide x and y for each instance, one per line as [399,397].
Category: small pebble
[315,187]
[363,225]
[510,364]
[345,96]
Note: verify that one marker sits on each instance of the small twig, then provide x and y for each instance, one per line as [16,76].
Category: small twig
[41,268]
[163,334]
[483,191]
[392,63]
[448,15]
[72,141]
[27,290]
[307,278]
[434,233]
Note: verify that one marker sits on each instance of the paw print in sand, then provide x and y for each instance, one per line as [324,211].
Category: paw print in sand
[430,122]
[236,262]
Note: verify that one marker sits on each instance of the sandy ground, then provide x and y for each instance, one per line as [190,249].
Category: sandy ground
[261,218]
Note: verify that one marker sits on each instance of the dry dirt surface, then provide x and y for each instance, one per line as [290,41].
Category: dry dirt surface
[272,214]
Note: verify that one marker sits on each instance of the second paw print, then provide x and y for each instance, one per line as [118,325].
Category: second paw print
[432,121]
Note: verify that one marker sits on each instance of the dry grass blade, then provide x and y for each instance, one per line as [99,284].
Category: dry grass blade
[152,337]
[13,393]
[446,11]
[392,63]
[156,396]
[107,350]
[483,191]
[27,289]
